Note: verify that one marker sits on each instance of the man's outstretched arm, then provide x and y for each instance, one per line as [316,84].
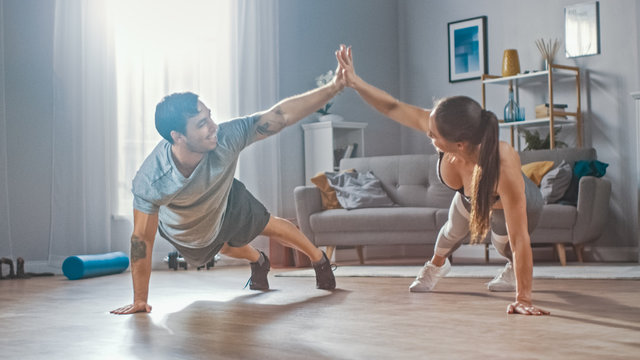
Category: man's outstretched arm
[144,233]
[295,108]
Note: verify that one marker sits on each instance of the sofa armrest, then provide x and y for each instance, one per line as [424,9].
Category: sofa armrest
[593,208]
[308,201]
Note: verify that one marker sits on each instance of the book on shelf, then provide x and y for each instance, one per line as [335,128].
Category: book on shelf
[542,110]
[351,150]
[343,153]
[338,154]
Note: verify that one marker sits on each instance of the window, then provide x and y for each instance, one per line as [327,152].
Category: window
[162,47]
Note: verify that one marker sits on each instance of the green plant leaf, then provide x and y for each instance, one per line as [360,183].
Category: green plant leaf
[534,142]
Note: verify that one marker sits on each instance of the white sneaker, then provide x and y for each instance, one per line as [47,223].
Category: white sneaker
[429,275]
[504,281]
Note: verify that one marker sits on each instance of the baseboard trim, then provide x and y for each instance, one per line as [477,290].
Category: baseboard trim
[612,254]
[43,266]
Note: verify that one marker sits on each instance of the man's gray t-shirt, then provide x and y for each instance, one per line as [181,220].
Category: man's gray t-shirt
[191,210]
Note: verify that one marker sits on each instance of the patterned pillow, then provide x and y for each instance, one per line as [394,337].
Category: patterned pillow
[359,190]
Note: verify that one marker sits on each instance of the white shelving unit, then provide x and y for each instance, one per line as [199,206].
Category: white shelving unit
[322,138]
[555,73]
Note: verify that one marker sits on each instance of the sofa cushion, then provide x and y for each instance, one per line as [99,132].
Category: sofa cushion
[570,155]
[555,183]
[327,193]
[358,190]
[582,168]
[536,170]
[374,219]
[409,180]
[556,216]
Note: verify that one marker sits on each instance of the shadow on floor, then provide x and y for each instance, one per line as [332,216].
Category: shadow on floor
[243,327]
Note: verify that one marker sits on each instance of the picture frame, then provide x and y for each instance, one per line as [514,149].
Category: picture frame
[582,29]
[467,49]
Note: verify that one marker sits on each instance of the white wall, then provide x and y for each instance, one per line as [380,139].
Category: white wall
[608,78]
[310,32]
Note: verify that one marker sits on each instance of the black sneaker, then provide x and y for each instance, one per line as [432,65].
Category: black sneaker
[324,274]
[258,280]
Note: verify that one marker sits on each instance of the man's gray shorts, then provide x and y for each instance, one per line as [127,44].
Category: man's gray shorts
[244,219]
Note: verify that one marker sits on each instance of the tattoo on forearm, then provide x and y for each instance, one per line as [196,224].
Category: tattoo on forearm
[138,249]
[269,125]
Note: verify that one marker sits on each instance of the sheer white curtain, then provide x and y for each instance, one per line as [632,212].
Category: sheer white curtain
[83,124]
[256,69]
[225,51]
[164,47]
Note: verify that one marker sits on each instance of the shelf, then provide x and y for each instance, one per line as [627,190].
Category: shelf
[538,76]
[559,72]
[535,122]
[323,139]
[335,124]
[544,77]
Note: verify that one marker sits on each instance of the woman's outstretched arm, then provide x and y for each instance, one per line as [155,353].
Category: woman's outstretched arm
[406,114]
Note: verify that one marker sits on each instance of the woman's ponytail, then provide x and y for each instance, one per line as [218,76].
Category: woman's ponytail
[484,182]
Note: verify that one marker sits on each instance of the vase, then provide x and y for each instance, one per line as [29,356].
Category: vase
[512,110]
[330,117]
[510,63]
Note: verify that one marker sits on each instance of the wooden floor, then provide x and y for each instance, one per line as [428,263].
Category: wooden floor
[208,315]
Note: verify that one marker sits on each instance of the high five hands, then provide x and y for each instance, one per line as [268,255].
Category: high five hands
[345,65]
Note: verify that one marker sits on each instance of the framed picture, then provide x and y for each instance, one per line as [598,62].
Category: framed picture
[467,49]
[582,29]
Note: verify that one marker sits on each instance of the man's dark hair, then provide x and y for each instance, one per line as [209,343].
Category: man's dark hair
[173,111]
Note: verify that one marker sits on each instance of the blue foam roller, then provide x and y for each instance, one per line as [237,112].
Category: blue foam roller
[84,266]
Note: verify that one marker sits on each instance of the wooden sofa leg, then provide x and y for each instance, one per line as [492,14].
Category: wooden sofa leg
[360,255]
[562,255]
[578,249]
[329,252]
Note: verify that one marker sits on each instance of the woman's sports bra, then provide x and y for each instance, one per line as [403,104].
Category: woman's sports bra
[461,189]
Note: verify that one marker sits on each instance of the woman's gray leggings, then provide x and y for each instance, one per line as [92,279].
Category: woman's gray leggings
[454,231]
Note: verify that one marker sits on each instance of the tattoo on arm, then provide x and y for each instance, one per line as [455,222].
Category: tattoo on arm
[263,129]
[269,125]
[138,249]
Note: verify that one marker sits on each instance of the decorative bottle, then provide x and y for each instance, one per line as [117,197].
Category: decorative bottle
[512,108]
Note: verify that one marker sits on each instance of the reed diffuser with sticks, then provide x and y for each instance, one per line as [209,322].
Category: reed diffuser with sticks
[548,48]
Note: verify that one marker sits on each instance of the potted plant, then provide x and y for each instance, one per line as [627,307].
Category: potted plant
[535,142]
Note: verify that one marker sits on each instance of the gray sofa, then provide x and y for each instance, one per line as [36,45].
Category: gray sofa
[423,202]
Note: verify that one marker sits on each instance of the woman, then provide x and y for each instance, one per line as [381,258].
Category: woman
[491,190]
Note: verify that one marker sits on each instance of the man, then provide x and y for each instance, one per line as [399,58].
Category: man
[185,190]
